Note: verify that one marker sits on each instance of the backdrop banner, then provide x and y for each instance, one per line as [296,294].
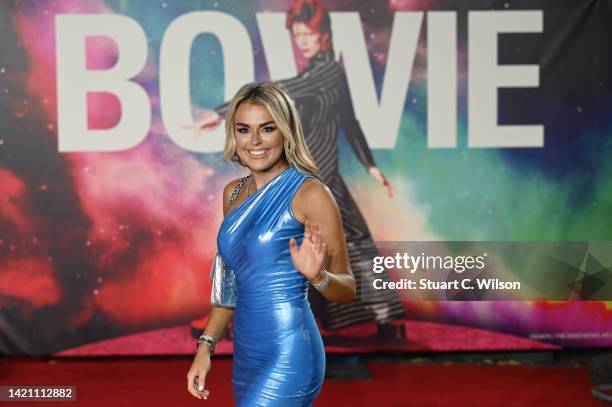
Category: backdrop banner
[433,122]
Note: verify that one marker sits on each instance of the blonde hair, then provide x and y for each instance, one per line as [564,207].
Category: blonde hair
[285,115]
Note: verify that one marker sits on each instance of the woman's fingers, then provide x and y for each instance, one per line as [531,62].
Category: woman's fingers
[195,385]
[199,387]
[317,237]
[314,236]
[310,255]
[200,384]
[306,229]
[293,249]
[191,388]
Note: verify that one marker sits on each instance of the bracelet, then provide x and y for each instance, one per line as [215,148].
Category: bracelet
[325,281]
[209,340]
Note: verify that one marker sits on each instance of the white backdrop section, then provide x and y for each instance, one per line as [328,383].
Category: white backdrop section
[379,118]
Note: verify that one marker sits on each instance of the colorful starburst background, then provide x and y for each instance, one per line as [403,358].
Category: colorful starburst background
[99,245]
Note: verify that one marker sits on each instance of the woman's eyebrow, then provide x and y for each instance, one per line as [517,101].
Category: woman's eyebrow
[261,125]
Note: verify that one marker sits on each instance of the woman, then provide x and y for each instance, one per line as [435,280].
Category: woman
[282,233]
[322,97]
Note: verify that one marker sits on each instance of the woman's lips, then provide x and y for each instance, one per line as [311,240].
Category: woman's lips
[258,153]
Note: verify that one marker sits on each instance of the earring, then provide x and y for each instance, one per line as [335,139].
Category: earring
[236,158]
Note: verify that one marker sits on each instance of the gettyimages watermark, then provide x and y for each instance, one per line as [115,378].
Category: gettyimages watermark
[489,271]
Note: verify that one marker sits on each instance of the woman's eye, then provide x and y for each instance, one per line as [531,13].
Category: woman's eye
[268,129]
[243,130]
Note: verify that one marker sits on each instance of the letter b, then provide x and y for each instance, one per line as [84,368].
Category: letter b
[74,81]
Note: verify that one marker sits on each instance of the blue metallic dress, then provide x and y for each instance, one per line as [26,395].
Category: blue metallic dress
[279,359]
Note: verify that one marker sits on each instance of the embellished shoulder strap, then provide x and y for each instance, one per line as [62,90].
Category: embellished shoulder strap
[238,187]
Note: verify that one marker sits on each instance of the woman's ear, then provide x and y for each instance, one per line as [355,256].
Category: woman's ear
[237,159]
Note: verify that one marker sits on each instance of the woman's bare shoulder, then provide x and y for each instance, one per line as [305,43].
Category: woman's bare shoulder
[312,188]
[227,193]
[313,194]
[229,187]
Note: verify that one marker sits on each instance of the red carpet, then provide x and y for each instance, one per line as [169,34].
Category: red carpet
[162,382]
[420,336]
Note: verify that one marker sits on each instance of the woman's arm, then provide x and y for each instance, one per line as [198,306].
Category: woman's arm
[315,206]
[220,316]
[217,322]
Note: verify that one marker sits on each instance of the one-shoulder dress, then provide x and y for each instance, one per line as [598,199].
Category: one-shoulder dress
[322,97]
[278,359]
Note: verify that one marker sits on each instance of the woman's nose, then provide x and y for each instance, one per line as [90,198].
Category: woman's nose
[256,137]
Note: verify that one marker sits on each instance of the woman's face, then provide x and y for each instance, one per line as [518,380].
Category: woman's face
[308,41]
[259,142]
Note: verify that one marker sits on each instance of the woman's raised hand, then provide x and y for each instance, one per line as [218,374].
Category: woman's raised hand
[309,258]
[197,373]
[210,119]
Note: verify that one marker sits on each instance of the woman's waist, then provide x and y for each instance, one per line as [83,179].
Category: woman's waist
[274,317]
[272,298]
[262,286]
